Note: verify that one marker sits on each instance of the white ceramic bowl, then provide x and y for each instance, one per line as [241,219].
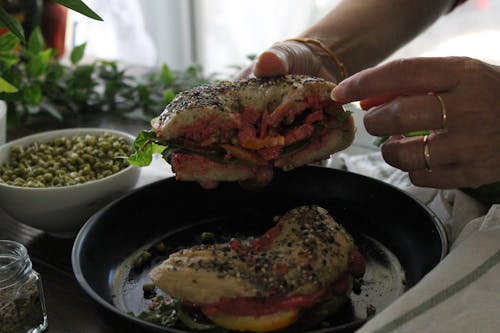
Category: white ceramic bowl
[63,210]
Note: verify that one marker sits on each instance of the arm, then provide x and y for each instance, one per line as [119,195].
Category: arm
[364,32]
[361,33]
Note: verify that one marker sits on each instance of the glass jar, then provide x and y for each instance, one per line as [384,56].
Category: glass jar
[22,305]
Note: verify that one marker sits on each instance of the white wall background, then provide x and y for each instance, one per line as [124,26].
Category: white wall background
[220,33]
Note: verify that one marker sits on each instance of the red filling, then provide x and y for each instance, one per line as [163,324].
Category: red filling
[259,306]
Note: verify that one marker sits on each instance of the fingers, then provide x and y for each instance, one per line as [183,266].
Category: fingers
[406,114]
[444,149]
[288,57]
[454,160]
[453,97]
[454,176]
[281,59]
[273,62]
[399,77]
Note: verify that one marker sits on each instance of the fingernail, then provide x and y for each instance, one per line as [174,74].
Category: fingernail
[338,93]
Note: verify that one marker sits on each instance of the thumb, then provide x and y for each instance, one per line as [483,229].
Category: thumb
[288,57]
[273,62]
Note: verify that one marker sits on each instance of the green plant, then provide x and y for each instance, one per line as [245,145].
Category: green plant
[34,83]
[6,20]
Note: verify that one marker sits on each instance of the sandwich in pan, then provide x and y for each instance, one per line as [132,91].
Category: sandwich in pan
[231,131]
[264,284]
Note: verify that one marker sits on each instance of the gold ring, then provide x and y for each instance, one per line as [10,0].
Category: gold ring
[427,154]
[443,112]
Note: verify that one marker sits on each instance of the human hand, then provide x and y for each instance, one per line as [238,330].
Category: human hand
[293,57]
[401,97]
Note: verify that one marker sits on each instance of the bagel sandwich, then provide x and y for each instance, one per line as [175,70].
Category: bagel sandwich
[231,130]
[264,284]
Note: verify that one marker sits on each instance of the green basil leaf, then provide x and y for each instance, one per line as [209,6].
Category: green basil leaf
[8,41]
[145,147]
[80,7]
[77,53]
[36,42]
[39,63]
[6,87]
[6,20]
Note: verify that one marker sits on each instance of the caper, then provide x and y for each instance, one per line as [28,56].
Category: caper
[207,237]
[65,161]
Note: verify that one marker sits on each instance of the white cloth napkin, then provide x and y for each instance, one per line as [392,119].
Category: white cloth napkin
[461,294]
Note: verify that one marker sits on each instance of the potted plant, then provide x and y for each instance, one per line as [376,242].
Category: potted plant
[44,93]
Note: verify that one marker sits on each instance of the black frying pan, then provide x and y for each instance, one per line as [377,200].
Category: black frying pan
[399,237]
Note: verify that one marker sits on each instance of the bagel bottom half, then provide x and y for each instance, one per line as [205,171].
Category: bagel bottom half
[282,319]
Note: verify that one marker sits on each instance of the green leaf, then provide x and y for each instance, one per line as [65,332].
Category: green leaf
[55,73]
[32,95]
[6,20]
[416,133]
[379,141]
[80,7]
[39,63]
[9,59]
[6,86]
[145,147]
[166,75]
[168,96]
[8,41]
[251,57]
[36,42]
[77,53]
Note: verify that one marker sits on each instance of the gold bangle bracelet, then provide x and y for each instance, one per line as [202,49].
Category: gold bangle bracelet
[321,45]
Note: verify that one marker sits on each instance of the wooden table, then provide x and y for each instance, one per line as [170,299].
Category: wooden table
[69,308]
